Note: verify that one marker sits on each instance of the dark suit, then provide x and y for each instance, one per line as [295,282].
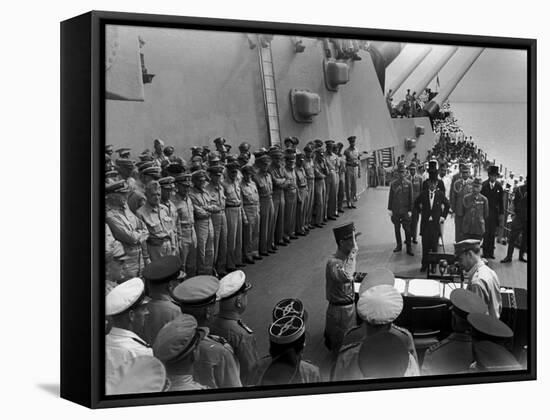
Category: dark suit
[519,222]
[430,228]
[440,185]
[496,208]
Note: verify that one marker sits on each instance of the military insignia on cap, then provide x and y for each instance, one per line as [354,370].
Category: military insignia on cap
[286,330]
[288,307]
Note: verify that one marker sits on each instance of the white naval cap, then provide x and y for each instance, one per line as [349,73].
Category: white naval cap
[138,375]
[233,283]
[377,277]
[124,296]
[380,304]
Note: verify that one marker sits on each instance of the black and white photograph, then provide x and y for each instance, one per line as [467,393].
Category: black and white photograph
[286,210]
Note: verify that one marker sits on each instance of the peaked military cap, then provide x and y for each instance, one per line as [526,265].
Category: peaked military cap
[486,325]
[138,375]
[184,178]
[177,339]
[219,140]
[401,166]
[117,187]
[466,302]
[412,165]
[175,168]
[352,138]
[287,329]
[233,284]
[380,304]
[467,245]
[125,163]
[289,307]
[125,296]
[198,174]
[233,166]
[167,182]
[111,174]
[343,232]
[196,291]
[153,171]
[162,270]
[248,169]
[158,141]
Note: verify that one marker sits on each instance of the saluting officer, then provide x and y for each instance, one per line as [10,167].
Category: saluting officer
[476,210]
[265,191]
[233,300]
[340,294]
[162,276]
[459,188]
[177,347]
[203,222]
[400,206]
[126,227]
[162,238]
[126,305]
[454,353]
[216,366]
[353,171]
[219,220]
[187,237]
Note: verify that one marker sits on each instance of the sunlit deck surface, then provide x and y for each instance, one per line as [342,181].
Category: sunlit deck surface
[298,270]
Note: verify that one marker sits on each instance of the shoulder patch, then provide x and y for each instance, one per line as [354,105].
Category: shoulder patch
[218,339]
[348,347]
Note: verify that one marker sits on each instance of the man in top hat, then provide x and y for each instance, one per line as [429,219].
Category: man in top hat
[433,207]
[126,305]
[459,188]
[137,376]
[331,180]
[476,211]
[185,224]
[291,195]
[233,300]
[454,353]
[158,153]
[285,364]
[483,281]
[373,323]
[320,172]
[310,177]
[177,347]
[340,269]
[353,171]
[400,207]
[433,174]
[203,209]
[492,189]
[161,276]
[490,335]
[129,230]
[519,223]
[251,208]
[278,179]
[217,198]
[156,216]
[301,227]
[263,181]
[216,366]
[235,217]
[416,181]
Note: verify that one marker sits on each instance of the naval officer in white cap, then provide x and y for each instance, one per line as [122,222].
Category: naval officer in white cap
[232,297]
[126,304]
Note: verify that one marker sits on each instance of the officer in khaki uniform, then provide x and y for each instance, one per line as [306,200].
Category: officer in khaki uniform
[219,220]
[232,296]
[265,191]
[320,173]
[235,217]
[353,171]
[476,210]
[251,208]
[416,181]
[400,207]
[126,227]
[331,181]
[310,176]
[279,181]
[301,205]
[340,269]
[459,188]
[291,194]
[454,353]
[177,347]
[341,177]
[162,239]
[187,238]
[162,275]
[216,365]
[167,194]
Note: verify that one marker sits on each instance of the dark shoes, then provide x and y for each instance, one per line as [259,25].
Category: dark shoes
[397,248]
[522,259]
[409,252]
[415,241]
[423,268]
[282,243]
[331,218]
[293,237]
[506,260]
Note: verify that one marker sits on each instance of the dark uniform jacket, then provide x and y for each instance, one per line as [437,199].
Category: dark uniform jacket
[451,355]
[494,196]
[401,197]
[520,204]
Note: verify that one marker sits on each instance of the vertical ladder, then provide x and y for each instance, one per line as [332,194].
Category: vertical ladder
[270,94]
[387,157]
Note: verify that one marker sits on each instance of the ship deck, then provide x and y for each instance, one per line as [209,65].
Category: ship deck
[298,270]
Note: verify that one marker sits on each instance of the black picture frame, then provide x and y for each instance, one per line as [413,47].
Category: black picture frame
[82,200]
